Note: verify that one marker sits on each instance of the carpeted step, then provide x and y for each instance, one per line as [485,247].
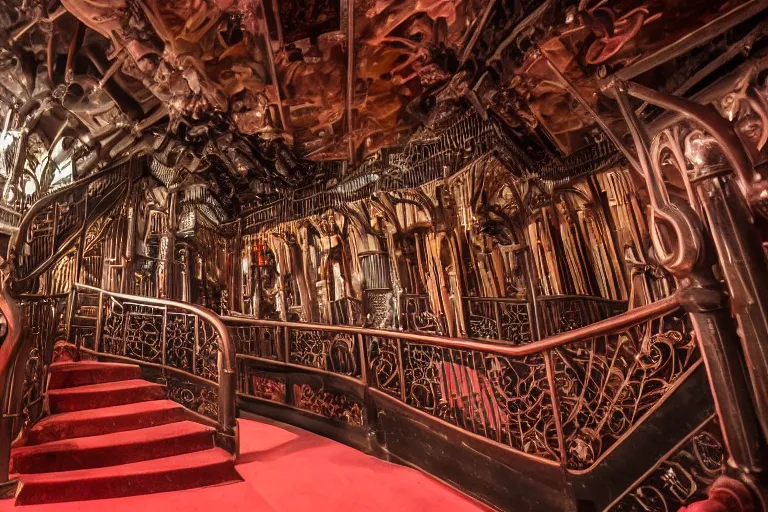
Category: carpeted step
[197,469]
[94,422]
[112,449]
[84,373]
[103,395]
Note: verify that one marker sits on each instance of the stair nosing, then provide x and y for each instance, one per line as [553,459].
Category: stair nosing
[66,444]
[75,415]
[68,366]
[102,387]
[204,458]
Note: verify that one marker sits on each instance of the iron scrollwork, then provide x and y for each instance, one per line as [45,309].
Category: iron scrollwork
[498,319]
[207,352]
[329,351]
[272,389]
[144,332]
[180,341]
[257,341]
[680,478]
[43,318]
[384,361]
[607,385]
[331,404]
[192,394]
[504,399]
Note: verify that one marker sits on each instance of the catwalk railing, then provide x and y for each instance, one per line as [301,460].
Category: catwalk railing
[184,346]
[566,399]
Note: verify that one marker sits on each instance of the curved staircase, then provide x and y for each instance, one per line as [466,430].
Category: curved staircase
[111,434]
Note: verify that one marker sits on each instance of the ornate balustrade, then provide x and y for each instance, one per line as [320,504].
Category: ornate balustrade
[562,313]
[53,224]
[509,320]
[183,346]
[566,399]
[43,320]
[417,315]
[501,319]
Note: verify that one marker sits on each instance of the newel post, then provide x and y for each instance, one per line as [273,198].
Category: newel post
[686,251]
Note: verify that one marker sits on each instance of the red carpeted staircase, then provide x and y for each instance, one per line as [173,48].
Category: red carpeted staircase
[112,434]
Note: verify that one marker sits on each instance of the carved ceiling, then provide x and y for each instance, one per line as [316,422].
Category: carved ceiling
[264,96]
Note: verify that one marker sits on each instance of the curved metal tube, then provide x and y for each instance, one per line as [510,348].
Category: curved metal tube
[710,119]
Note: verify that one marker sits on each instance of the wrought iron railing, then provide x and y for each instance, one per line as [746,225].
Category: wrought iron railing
[54,224]
[562,313]
[501,319]
[566,399]
[512,320]
[184,346]
[44,323]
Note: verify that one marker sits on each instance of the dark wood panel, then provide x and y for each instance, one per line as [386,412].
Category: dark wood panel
[497,476]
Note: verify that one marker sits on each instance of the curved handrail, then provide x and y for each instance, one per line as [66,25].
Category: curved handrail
[45,201]
[227,368]
[68,243]
[605,327]
[499,392]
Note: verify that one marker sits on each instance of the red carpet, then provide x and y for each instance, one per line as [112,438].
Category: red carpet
[114,440]
[112,434]
[290,470]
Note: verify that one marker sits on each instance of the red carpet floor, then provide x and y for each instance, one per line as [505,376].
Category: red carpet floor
[290,470]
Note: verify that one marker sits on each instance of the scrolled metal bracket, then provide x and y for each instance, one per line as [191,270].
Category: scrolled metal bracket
[680,246]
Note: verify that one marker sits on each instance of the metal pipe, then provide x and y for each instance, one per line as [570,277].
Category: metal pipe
[709,119]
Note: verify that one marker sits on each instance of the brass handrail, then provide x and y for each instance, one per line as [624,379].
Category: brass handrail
[460,381]
[605,327]
[226,366]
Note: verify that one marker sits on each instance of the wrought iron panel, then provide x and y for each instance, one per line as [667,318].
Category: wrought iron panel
[331,404]
[608,384]
[329,351]
[498,319]
[191,393]
[504,399]
[680,478]
[180,341]
[384,361]
[257,341]
[207,352]
[272,389]
[144,332]
[562,314]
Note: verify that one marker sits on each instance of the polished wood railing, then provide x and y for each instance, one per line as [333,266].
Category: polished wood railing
[566,399]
